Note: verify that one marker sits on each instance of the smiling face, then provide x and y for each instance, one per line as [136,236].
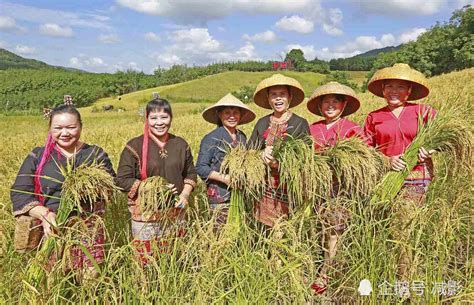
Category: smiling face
[65,129]
[230,117]
[159,123]
[396,92]
[332,106]
[279,98]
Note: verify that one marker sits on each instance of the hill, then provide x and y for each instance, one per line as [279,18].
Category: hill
[9,60]
[211,88]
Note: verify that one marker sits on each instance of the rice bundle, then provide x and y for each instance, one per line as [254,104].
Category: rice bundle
[306,175]
[247,179]
[445,133]
[86,184]
[357,168]
[154,195]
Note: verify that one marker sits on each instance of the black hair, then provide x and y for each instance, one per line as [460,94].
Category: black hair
[157,105]
[65,109]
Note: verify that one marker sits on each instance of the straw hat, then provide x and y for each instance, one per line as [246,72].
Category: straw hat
[418,81]
[246,114]
[314,101]
[260,97]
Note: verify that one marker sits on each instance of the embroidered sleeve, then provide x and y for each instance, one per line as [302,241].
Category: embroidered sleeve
[132,194]
[26,208]
[189,174]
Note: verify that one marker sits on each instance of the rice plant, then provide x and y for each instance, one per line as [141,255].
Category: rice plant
[247,181]
[154,194]
[306,176]
[82,187]
[447,132]
[356,167]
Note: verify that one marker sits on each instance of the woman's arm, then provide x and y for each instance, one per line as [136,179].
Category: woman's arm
[128,172]
[22,190]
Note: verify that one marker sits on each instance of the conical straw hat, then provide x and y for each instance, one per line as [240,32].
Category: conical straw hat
[246,114]
[314,101]
[260,97]
[418,81]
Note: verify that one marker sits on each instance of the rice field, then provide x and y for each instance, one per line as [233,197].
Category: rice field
[258,266]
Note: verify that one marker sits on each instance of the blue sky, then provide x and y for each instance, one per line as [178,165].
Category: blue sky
[111,35]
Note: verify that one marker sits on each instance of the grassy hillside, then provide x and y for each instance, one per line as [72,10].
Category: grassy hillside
[211,88]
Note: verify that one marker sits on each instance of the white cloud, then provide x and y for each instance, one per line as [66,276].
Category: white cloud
[411,35]
[40,15]
[25,50]
[295,24]
[265,37]
[150,36]
[196,40]
[109,38]
[332,22]
[357,46]
[55,30]
[400,8]
[83,61]
[7,23]
[203,10]
[332,30]
[198,46]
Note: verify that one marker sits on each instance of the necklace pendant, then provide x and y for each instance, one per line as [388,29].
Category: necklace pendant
[163,153]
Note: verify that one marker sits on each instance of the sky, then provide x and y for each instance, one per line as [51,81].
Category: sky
[111,35]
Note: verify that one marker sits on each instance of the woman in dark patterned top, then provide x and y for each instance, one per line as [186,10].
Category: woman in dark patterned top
[279,93]
[156,153]
[227,113]
[37,188]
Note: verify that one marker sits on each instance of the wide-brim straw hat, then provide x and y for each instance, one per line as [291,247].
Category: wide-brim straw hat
[314,101]
[260,97]
[246,114]
[419,83]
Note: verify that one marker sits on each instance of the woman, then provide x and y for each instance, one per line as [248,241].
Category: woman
[332,101]
[279,93]
[227,113]
[392,129]
[156,153]
[37,188]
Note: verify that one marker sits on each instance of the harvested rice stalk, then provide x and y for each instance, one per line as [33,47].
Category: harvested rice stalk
[154,195]
[246,171]
[446,133]
[247,180]
[86,184]
[307,176]
[357,168]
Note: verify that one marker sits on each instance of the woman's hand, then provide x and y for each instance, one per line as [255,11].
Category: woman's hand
[267,156]
[183,201]
[48,219]
[397,164]
[172,188]
[424,154]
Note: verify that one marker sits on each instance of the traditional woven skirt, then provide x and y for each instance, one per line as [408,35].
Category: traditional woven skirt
[274,204]
[219,211]
[91,233]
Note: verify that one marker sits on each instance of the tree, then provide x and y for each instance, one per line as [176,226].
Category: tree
[296,56]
